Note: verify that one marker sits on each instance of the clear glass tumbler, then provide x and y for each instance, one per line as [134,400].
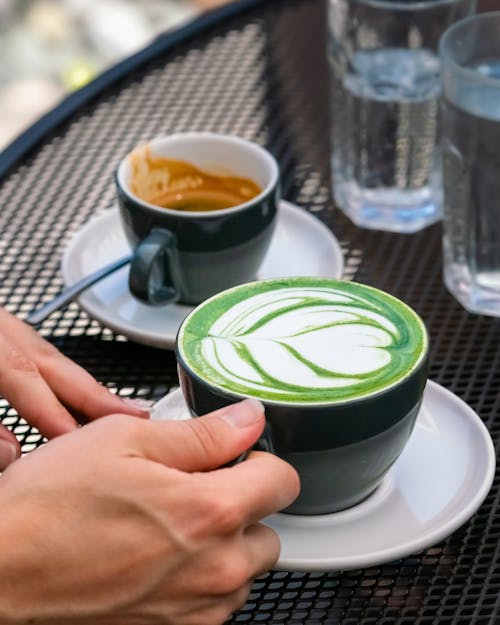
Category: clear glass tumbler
[385,90]
[470,58]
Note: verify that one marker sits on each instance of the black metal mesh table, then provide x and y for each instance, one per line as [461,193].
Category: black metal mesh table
[259,70]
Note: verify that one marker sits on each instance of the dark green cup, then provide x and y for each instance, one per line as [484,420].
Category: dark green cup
[188,256]
[370,347]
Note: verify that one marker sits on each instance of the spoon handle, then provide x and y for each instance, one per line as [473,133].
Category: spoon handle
[37,316]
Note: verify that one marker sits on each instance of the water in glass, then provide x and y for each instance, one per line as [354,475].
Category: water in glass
[471,167]
[386,169]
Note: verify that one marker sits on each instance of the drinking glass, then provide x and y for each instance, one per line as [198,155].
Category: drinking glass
[384,102]
[470,57]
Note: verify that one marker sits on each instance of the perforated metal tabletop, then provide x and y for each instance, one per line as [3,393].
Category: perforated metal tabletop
[257,69]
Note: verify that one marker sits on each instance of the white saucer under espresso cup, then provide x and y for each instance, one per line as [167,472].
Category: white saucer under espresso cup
[340,368]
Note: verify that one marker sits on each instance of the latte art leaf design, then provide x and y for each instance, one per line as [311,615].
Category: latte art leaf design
[303,343]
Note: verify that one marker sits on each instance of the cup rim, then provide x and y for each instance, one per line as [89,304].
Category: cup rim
[217,390]
[229,138]
[420,363]
[412,5]
[447,58]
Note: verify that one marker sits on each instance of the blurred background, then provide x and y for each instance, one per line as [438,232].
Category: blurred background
[49,48]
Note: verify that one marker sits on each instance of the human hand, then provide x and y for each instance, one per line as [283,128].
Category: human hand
[131,522]
[46,388]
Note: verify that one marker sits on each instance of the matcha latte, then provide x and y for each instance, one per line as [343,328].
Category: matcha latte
[340,368]
[302,341]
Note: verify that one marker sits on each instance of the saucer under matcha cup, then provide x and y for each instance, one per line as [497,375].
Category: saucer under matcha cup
[340,367]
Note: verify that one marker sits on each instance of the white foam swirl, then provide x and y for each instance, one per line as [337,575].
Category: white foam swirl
[308,337]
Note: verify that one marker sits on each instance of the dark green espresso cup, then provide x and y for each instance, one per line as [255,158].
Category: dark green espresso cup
[340,368]
[187,256]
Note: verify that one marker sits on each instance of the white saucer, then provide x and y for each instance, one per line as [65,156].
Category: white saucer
[438,482]
[302,245]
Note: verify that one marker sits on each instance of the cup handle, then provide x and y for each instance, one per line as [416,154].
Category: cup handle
[265,442]
[154,276]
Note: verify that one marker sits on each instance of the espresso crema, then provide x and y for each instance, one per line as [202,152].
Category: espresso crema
[302,340]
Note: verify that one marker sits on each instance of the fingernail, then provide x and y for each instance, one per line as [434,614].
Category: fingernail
[138,402]
[8,453]
[138,407]
[244,413]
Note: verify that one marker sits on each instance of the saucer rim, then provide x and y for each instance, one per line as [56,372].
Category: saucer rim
[422,541]
[152,339]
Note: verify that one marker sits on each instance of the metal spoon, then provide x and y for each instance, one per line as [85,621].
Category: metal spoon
[37,316]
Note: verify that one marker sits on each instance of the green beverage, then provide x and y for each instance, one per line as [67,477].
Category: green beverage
[340,368]
[303,341]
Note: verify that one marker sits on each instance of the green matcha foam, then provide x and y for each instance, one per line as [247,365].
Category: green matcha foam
[303,340]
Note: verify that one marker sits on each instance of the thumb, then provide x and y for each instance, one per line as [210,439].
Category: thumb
[205,443]
[9,448]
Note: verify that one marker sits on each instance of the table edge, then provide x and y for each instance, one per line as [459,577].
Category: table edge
[35,133]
